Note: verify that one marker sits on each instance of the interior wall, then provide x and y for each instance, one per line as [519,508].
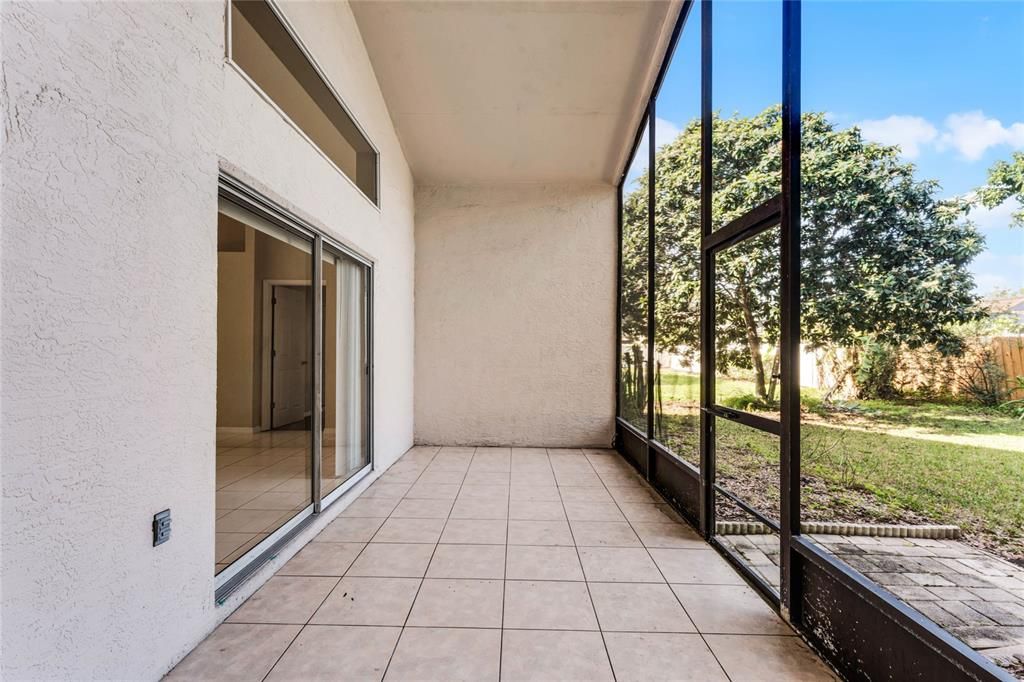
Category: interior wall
[108,284]
[515,315]
[235,322]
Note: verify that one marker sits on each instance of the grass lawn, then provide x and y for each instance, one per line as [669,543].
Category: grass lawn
[882,461]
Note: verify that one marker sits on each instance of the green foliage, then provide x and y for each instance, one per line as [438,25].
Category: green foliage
[876,374]
[1015,407]
[744,401]
[883,256]
[984,380]
[1005,180]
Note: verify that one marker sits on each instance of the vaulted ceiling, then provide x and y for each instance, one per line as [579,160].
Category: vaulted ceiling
[521,91]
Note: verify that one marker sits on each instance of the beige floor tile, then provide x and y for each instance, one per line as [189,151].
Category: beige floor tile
[669,535]
[392,560]
[544,655]
[584,494]
[368,601]
[247,520]
[328,652]
[323,558]
[388,490]
[236,652]
[278,500]
[433,491]
[446,655]
[458,604]
[638,607]
[535,510]
[476,476]
[484,491]
[604,534]
[539,533]
[647,513]
[578,479]
[542,563]
[474,532]
[767,658]
[533,477]
[700,566]
[468,561]
[442,477]
[730,610]
[619,564]
[650,657]
[397,529]
[372,507]
[541,493]
[226,543]
[633,495]
[619,478]
[476,508]
[593,511]
[548,605]
[356,529]
[422,509]
[284,599]
[230,500]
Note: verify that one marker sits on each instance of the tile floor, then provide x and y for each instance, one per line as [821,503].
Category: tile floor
[511,564]
[263,481]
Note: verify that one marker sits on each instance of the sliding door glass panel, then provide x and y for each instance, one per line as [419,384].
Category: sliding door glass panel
[633,342]
[677,249]
[747,77]
[264,380]
[345,443]
[747,325]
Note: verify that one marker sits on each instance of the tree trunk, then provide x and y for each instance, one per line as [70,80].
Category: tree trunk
[773,384]
[753,338]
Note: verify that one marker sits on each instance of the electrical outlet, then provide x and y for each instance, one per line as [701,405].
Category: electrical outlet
[161,527]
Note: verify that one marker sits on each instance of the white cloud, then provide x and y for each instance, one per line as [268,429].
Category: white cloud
[972,133]
[995,218]
[987,282]
[910,133]
[664,132]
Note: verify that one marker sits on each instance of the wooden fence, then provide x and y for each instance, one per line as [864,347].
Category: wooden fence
[1008,352]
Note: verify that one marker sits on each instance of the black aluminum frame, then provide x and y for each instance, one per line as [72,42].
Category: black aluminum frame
[877,636]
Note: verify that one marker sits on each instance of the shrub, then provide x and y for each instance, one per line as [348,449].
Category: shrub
[984,380]
[876,373]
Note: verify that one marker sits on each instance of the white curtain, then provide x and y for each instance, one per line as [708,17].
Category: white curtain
[351,378]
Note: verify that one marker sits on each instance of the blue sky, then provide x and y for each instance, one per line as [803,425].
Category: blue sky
[944,80]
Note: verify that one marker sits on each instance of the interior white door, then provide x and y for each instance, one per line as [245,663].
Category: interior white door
[290,355]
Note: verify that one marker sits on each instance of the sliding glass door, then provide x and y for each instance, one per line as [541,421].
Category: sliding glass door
[293,377]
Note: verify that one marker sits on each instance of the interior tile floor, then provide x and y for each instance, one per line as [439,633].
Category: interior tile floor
[263,480]
[510,564]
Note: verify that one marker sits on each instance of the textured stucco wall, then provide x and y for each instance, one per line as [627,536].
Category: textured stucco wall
[515,314]
[116,117]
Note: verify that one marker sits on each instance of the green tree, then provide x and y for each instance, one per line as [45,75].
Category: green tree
[883,257]
[1005,181]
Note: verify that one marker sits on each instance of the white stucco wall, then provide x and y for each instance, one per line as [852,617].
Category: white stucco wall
[116,118]
[515,315]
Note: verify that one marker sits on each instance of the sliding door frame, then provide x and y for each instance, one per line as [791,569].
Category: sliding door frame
[240,194]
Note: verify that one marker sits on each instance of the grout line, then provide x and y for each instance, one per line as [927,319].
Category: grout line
[504,566]
[331,591]
[426,568]
[590,596]
[668,584]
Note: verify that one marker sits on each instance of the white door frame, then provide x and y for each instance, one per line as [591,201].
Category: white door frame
[267,344]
